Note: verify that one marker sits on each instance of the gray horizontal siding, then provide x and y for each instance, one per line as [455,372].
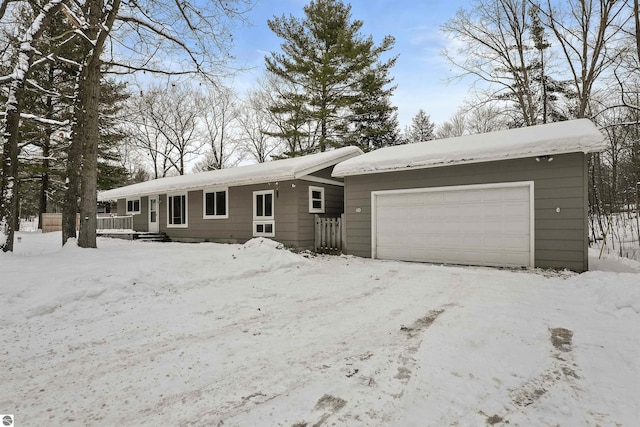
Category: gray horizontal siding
[141,220]
[238,227]
[294,224]
[334,207]
[560,238]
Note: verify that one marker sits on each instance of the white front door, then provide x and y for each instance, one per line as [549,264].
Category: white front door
[153,214]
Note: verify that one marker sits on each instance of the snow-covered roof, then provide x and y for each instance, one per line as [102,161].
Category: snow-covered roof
[555,138]
[277,170]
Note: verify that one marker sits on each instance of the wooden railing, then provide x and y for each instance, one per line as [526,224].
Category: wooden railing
[115,223]
[328,235]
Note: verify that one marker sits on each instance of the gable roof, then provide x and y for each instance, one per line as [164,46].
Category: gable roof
[554,138]
[277,170]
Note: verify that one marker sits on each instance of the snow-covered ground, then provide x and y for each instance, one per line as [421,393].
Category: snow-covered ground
[622,235]
[138,333]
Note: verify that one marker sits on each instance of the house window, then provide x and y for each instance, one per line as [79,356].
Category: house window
[316,199]
[263,219]
[133,206]
[215,204]
[177,211]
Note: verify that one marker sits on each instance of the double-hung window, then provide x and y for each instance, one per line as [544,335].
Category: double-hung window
[263,218]
[215,204]
[133,206]
[316,199]
[177,211]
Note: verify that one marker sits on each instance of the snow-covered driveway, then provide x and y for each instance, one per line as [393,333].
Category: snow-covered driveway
[203,334]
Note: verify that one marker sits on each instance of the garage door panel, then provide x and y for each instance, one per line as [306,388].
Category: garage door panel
[513,226]
[491,226]
[472,226]
[516,193]
[493,210]
[392,213]
[492,195]
[470,210]
[471,197]
[516,209]
[414,199]
[478,226]
[452,196]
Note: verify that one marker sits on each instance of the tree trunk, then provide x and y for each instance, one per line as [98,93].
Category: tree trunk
[70,204]
[89,133]
[46,152]
[44,188]
[9,197]
[89,93]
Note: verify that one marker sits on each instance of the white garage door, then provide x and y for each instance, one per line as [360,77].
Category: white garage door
[475,225]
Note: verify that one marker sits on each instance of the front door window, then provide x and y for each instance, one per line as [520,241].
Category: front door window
[153,214]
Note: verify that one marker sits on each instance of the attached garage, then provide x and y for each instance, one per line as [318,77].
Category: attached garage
[470,224]
[515,198]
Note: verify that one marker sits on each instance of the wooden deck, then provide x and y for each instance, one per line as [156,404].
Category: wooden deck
[134,235]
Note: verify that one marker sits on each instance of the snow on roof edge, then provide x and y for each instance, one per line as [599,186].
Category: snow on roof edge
[276,170]
[549,139]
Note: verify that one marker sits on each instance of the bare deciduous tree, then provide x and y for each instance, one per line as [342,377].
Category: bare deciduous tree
[588,33]
[254,124]
[496,37]
[218,120]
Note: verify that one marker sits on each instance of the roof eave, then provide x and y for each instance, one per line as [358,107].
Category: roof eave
[326,164]
[585,150]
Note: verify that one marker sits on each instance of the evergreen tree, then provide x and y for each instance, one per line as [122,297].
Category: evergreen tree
[421,129]
[375,119]
[328,67]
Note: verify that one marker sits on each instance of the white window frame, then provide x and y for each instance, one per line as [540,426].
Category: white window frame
[264,220]
[204,203]
[133,200]
[311,199]
[186,211]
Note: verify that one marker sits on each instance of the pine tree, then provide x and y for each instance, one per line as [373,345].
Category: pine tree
[327,65]
[421,129]
[375,119]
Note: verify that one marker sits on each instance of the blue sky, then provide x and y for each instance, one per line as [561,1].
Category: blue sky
[420,73]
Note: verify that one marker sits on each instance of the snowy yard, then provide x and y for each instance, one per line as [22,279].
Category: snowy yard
[138,333]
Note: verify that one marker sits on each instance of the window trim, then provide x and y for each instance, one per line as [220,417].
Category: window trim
[204,202]
[311,199]
[263,219]
[186,210]
[133,199]
[256,233]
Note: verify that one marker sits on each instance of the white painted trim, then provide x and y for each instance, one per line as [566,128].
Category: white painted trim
[186,210]
[204,202]
[321,180]
[322,199]
[133,199]
[530,184]
[264,234]
[273,206]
